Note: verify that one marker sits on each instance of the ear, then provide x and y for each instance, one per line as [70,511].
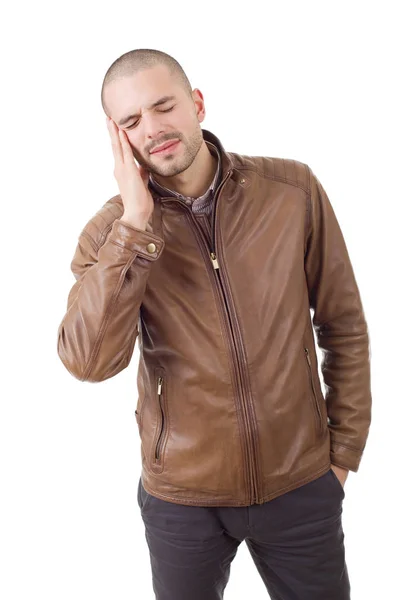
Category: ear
[198,100]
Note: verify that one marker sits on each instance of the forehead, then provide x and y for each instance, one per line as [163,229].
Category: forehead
[136,92]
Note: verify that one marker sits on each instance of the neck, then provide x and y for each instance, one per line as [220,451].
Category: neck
[196,179]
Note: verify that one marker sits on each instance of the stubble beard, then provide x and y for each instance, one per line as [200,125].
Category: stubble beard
[171,166]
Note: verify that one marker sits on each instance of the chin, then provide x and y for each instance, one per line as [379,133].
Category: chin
[169,171]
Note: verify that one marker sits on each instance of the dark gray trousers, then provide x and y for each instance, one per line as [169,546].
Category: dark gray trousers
[296,542]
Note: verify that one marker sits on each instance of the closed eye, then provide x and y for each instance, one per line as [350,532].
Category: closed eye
[136,122]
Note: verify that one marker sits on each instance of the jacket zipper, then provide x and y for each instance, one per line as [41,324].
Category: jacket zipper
[313,390]
[237,352]
[235,341]
[161,436]
[239,355]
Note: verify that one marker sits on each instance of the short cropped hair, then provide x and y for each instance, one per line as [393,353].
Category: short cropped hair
[139,59]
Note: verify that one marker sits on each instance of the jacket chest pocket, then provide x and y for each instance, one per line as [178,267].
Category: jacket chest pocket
[162,421]
[316,406]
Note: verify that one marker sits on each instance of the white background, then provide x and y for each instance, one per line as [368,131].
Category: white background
[312,81]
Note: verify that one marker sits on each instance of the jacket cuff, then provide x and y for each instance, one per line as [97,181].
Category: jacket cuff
[346,457]
[140,242]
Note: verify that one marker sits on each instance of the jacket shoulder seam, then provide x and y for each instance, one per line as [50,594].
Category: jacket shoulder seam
[285,178]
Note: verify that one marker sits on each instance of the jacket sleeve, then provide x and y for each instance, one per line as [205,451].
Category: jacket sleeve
[97,334]
[341,330]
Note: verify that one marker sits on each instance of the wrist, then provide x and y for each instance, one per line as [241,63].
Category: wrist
[137,221]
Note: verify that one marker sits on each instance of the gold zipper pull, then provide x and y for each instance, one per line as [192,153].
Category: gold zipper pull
[214,261]
[159,385]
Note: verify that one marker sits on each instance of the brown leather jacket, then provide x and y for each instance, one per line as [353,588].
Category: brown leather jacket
[230,409]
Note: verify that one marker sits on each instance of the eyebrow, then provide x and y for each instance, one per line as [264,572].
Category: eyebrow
[156,103]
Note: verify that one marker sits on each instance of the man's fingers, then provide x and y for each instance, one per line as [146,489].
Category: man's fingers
[126,148]
[115,141]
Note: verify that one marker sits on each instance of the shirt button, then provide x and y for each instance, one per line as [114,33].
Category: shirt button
[151,248]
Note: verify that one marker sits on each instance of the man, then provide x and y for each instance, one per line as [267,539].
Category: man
[214,261]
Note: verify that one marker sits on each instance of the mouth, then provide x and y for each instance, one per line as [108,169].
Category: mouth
[169,146]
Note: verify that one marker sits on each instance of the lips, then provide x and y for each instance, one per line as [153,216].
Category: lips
[164,146]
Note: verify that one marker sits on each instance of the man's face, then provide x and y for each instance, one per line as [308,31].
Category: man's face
[175,119]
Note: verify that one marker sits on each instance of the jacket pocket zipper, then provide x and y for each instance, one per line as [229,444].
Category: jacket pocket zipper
[161,436]
[313,390]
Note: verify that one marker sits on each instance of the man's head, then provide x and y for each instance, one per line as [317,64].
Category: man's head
[132,86]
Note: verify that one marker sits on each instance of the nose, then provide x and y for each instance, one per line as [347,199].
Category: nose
[154,129]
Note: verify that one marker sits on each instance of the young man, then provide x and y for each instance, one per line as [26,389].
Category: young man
[213,260]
